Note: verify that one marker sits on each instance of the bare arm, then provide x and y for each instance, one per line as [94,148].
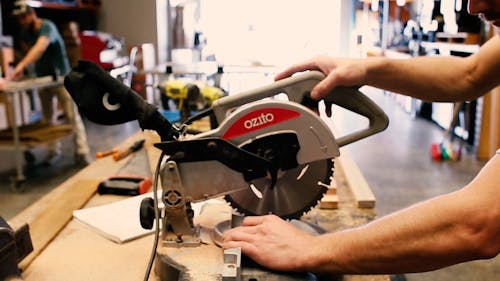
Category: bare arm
[446,230]
[426,78]
[32,56]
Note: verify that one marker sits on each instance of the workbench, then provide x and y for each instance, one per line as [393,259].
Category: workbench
[65,249]
[36,134]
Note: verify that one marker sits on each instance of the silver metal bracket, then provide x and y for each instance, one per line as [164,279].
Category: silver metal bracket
[178,229]
[231,270]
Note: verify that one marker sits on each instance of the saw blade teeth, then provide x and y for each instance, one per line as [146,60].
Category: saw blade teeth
[256,191]
[320,183]
[238,202]
[302,172]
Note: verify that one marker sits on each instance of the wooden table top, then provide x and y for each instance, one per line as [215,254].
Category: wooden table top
[65,249]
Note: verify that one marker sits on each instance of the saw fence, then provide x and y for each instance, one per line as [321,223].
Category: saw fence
[65,249]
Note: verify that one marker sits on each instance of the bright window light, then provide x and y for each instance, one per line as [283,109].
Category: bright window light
[374,5]
[274,32]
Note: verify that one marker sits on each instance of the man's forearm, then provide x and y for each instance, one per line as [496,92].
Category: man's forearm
[438,78]
[427,236]
[32,55]
[426,78]
[35,52]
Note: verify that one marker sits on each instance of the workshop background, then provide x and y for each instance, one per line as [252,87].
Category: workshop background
[427,150]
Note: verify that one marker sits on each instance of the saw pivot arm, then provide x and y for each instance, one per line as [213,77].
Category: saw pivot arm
[250,165]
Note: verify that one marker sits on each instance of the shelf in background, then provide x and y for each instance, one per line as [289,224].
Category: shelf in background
[66,5]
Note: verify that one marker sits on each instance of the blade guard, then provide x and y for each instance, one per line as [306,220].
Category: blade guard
[107,101]
[297,87]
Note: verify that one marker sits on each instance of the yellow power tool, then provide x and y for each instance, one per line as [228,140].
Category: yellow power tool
[189,96]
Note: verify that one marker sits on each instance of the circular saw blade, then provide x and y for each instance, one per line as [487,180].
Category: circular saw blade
[296,191]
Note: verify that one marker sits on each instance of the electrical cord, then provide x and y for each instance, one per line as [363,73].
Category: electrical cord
[204,113]
[157,218]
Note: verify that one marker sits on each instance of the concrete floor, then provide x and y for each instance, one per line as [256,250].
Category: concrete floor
[41,179]
[396,164]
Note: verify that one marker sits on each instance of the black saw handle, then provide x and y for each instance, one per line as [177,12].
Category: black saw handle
[298,86]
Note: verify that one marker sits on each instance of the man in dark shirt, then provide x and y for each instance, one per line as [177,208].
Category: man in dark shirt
[44,48]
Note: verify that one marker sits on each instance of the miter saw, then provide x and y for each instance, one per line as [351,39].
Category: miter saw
[265,156]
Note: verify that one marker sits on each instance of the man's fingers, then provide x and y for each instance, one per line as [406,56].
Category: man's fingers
[325,86]
[241,233]
[253,220]
[307,65]
[256,220]
[247,248]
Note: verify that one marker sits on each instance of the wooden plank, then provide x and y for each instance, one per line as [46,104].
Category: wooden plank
[362,192]
[356,181]
[33,83]
[495,121]
[49,223]
[52,212]
[330,200]
[483,148]
[37,134]
[489,137]
[80,254]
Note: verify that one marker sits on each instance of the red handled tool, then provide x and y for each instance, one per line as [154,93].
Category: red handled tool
[124,185]
[132,179]
[133,148]
[102,154]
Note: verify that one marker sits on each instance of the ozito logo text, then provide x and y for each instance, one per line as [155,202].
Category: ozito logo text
[259,119]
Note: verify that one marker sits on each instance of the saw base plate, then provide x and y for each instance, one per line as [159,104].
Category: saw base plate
[205,262]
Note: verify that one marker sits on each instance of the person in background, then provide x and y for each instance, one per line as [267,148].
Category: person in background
[457,227]
[3,83]
[44,47]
